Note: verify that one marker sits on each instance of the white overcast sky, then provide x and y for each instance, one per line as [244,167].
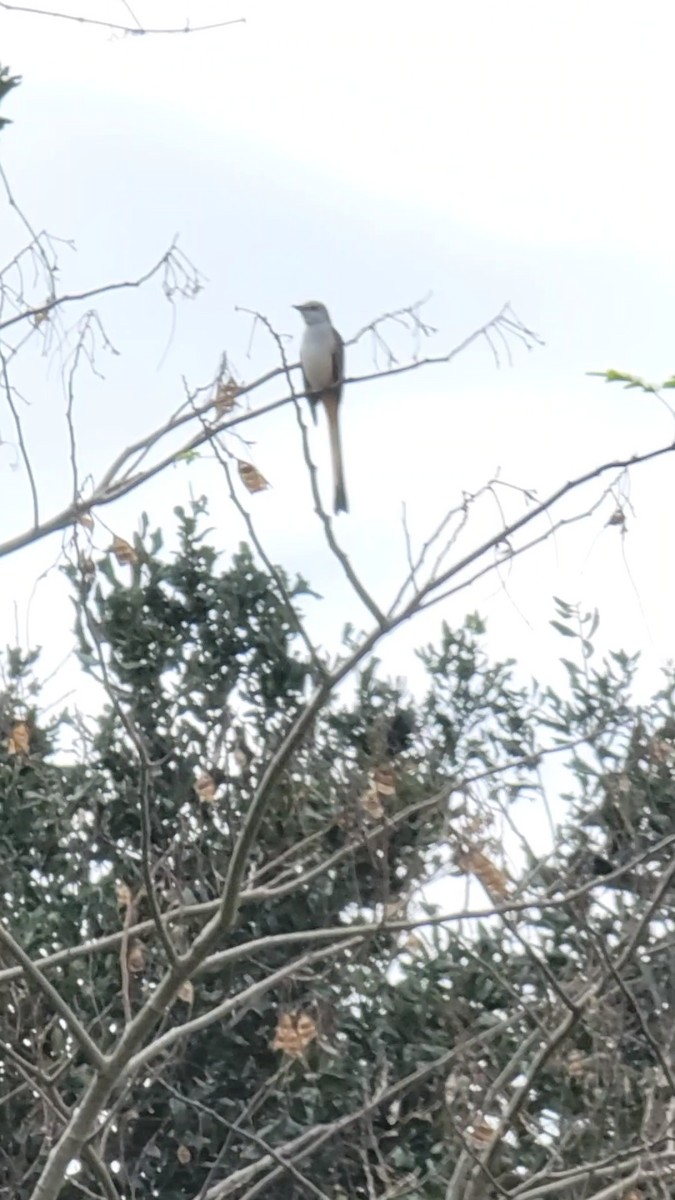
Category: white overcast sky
[365,153]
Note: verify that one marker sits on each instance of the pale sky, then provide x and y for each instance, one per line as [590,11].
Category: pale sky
[365,153]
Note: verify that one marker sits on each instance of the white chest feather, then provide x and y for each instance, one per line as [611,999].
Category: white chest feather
[316,355]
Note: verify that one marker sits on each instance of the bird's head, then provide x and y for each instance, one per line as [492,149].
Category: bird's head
[313,312]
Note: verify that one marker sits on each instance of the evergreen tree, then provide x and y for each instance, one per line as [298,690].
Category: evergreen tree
[425,1057]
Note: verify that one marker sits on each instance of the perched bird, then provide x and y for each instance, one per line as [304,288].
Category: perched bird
[322,359]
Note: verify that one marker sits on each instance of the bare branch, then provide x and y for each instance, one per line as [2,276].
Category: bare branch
[236,1005]
[265,894]
[248,1136]
[54,999]
[318,667]
[38,1080]
[309,1142]
[121,478]
[135,30]
[173,260]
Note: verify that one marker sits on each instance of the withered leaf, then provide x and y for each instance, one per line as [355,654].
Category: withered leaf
[226,396]
[186,992]
[124,551]
[294,1031]
[385,781]
[381,783]
[414,945]
[371,804]
[18,741]
[123,895]
[205,788]
[136,958]
[476,863]
[251,478]
[480,1134]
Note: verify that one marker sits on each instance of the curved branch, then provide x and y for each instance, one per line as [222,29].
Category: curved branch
[116,483]
[271,941]
[42,311]
[308,1143]
[115,27]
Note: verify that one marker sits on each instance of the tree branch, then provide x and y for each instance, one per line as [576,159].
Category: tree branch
[54,998]
[115,27]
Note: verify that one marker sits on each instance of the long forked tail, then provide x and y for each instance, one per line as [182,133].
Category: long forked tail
[331,405]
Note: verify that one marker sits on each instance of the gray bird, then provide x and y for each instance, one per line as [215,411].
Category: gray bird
[322,357]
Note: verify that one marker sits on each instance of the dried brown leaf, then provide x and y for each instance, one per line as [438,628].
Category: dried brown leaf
[480,1134]
[205,787]
[415,945]
[184,1155]
[381,784]
[474,862]
[371,804]
[294,1031]
[136,958]
[226,396]
[385,781]
[124,551]
[186,992]
[251,478]
[123,895]
[18,741]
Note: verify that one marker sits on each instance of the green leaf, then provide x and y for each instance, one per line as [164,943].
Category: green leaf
[7,82]
[628,380]
[564,629]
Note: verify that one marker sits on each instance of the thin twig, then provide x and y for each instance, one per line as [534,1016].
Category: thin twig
[248,1136]
[54,998]
[114,27]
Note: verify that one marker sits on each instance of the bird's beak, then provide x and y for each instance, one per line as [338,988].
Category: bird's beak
[299,307]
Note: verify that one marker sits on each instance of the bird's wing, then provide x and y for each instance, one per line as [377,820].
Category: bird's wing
[338,362]
[312,399]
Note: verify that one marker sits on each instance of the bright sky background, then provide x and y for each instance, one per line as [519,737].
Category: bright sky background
[365,153]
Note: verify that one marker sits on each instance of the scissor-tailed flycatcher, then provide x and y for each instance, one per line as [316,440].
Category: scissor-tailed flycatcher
[322,359]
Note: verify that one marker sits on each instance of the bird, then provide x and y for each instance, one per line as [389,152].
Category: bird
[322,357]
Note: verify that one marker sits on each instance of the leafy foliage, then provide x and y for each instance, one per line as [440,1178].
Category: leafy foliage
[7,82]
[413,1042]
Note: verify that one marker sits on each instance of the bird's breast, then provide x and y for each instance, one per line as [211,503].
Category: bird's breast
[316,355]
